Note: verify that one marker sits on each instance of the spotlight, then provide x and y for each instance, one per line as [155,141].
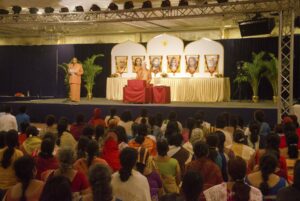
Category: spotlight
[165,4]
[147,4]
[33,10]
[64,10]
[95,8]
[113,6]
[49,10]
[16,9]
[79,9]
[3,12]
[128,5]
[257,26]
[183,3]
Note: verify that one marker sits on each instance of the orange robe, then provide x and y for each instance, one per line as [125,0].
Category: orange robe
[75,71]
[144,75]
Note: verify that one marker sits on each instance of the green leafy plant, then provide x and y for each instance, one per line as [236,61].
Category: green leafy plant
[271,72]
[91,70]
[65,68]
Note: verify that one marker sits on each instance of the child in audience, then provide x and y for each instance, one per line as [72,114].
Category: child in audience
[32,144]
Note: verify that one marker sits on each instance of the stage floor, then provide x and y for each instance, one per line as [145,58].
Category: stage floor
[39,108]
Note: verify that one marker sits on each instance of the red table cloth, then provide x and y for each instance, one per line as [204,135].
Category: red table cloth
[161,94]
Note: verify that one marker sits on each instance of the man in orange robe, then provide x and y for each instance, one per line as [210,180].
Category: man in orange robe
[75,72]
[144,74]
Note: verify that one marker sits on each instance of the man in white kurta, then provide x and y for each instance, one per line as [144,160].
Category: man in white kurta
[7,120]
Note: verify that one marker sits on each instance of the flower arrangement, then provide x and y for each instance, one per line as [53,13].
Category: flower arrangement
[164,75]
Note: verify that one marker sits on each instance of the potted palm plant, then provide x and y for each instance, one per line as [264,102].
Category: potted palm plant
[271,73]
[91,70]
[253,73]
[65,68]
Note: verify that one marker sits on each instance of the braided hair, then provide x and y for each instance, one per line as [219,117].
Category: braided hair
[11,139]
[128,158]
[267,165]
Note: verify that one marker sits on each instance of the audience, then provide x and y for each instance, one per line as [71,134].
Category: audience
[22,134]
[264,128]
[65,138]
[221,124]
[253,137]
[126,122]
[112,115]
[192,185]
[100,135]
[77,127]
[22,117]
[50,126]
[7,120]
[96,119]
[27,188]
[128,184]
[172,118]
[110,151]
[143,115]
[32,144]
[81,147]
[122,137]
[212,141]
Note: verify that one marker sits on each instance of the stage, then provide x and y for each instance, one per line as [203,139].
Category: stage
[39,108]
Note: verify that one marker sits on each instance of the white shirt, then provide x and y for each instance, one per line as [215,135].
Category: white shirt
[127,125]
[8,122]
[165,124]
[136,188]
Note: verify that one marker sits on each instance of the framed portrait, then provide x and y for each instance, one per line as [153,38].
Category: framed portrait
[192,64]
[155,64]
[173,63]
[121,64]
[137,62]
[211,63]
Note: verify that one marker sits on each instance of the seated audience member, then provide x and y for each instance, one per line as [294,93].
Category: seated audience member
[22,134]
[78,180]
[32,144]
[291,193]
[212,141]
[2,139]
[295,121]
[88,131]
[112,115]
[288,127]
[7,120]
[168,168]
[50,126]
[210,172]
[154,180]
[96,119]
[142,140]
[57,188]
[187,130]
[265,179]
[172,118]
[126,122]
[28,187]
[110,152]
[192,185]
[100,136]
[177,152]
[81,147]
[225,154]
[171,197]
[22,117]
[83,164]
[77,127]
[240,149]
[253,137]
[143,115]
[199,117]
[100,181]
[8,155]
[221,123]
[264,128]
[128,184]
[65,138]
[45,160]
[122,137]
[291,151]
[199,128]
[235,189]
[197,135]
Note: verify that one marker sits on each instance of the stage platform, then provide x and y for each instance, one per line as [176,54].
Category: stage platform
[39,108]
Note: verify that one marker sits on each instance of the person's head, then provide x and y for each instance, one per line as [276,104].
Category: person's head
[31,131]
[66,159]
[192,62]
[50,120]
[155,62]
[7,109]
[190,123]
[200,149]
[144,112]
[100,180]
[57,188]
[162,148]
[158,119]
[2,139]
[237,169]
[221,121]
[88,131]
[212,141]
[173,63]
[121,133]
[272,141]
[47,147]
[128,158]
[142,159]
[295,120]
[99,132]
[240,121]
[113,112]
[80,119]
[233,121]
[96,113]
[267,165]
[22,109]
[192,186]
[239,137]
[142,131]
[297,175]
[62,125]
[92,151]
[11,141]
[254,132]
[74,60]
[221,140]
[126,116]
[172,116]
[112,123]
[175,139]
[292,144]
[199,116]
[259,116]
[24,126]
[137,61]
[25,171]
[82,146]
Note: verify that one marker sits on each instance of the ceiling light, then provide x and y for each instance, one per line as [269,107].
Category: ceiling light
[165,3]
[49,10]
[79,9]
[128,5]
[147,4]
[95,8]
[113,6]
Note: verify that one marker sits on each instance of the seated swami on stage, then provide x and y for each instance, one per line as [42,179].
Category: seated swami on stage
[144,74]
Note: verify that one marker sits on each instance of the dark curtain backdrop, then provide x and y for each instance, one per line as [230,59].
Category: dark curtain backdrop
[35,68]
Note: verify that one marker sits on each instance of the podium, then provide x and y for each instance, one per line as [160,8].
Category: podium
[137,91]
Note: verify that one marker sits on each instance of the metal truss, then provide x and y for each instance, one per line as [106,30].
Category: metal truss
[286,59]
[202,10]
